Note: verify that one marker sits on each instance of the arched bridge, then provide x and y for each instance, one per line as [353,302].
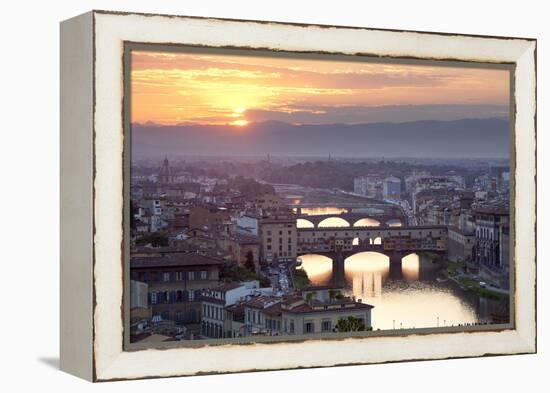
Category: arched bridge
[383,239]
[394,242]
[353,218]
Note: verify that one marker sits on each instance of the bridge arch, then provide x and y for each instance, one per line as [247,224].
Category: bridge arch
[303,223]
[377,241]
[366,222]
[410,266]
[394,222]
[368,262]
[333,222]
[317,266]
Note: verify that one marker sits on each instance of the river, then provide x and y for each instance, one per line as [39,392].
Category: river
[412,298]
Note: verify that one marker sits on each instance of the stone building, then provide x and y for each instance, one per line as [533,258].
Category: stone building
[491,247]
[278,237]
[166,174]
[206,215]
[459,245]
[175,281]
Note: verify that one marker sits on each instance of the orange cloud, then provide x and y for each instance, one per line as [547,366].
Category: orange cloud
[172,88]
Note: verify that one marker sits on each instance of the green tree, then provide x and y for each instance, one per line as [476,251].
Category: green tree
[350,324]
[155,239]
[301,280]
[249,261]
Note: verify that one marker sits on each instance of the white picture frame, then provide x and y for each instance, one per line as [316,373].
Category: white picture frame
[92,195]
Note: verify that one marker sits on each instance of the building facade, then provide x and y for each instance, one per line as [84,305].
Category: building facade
[491,248]
[175,282]
[278,235]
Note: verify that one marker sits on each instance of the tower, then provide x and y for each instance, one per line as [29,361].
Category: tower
[165,174]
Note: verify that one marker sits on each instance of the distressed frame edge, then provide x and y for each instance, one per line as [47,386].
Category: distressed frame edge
[76,196]
[528,339]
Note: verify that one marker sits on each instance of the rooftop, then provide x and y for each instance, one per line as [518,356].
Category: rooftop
[333,306]
[175,260]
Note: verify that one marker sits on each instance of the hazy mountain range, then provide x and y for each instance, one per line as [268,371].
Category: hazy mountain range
[467,138]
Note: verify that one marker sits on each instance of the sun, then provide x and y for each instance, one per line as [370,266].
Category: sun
[239,123]
[239,114]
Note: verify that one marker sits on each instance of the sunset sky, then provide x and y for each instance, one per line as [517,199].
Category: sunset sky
[178,88]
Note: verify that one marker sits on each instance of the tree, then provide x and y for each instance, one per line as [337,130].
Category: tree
[249,261]
[301,280]
[350,324]
[335,294]
[155,239]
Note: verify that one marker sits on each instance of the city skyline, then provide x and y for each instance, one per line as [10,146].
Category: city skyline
[316,236]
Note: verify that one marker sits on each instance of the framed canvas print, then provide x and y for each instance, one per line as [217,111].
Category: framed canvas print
[246,195]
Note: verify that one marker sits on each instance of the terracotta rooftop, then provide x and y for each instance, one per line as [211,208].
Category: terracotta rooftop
[174,260]
[328,307]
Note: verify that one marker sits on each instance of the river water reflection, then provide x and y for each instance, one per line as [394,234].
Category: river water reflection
[409,298]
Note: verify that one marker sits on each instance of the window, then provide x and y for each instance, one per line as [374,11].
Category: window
[268,233]
[269,246]
[292,326]
[326,326]
[191,275]
[153,298]
[204,275]
[309,327]
[191,296]
[269,240]
[280,233]
[166,277]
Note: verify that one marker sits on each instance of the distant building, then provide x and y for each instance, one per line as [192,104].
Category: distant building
[360,185]
[278,237]
[371,186]
[166,174]
[248,224]
[460,245]
[491,247]
[267,202]
[206,215]
[391,188]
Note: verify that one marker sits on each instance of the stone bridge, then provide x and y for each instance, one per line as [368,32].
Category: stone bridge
[352,218]
[339,243]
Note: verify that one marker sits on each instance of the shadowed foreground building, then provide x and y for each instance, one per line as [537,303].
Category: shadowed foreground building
[175,281]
